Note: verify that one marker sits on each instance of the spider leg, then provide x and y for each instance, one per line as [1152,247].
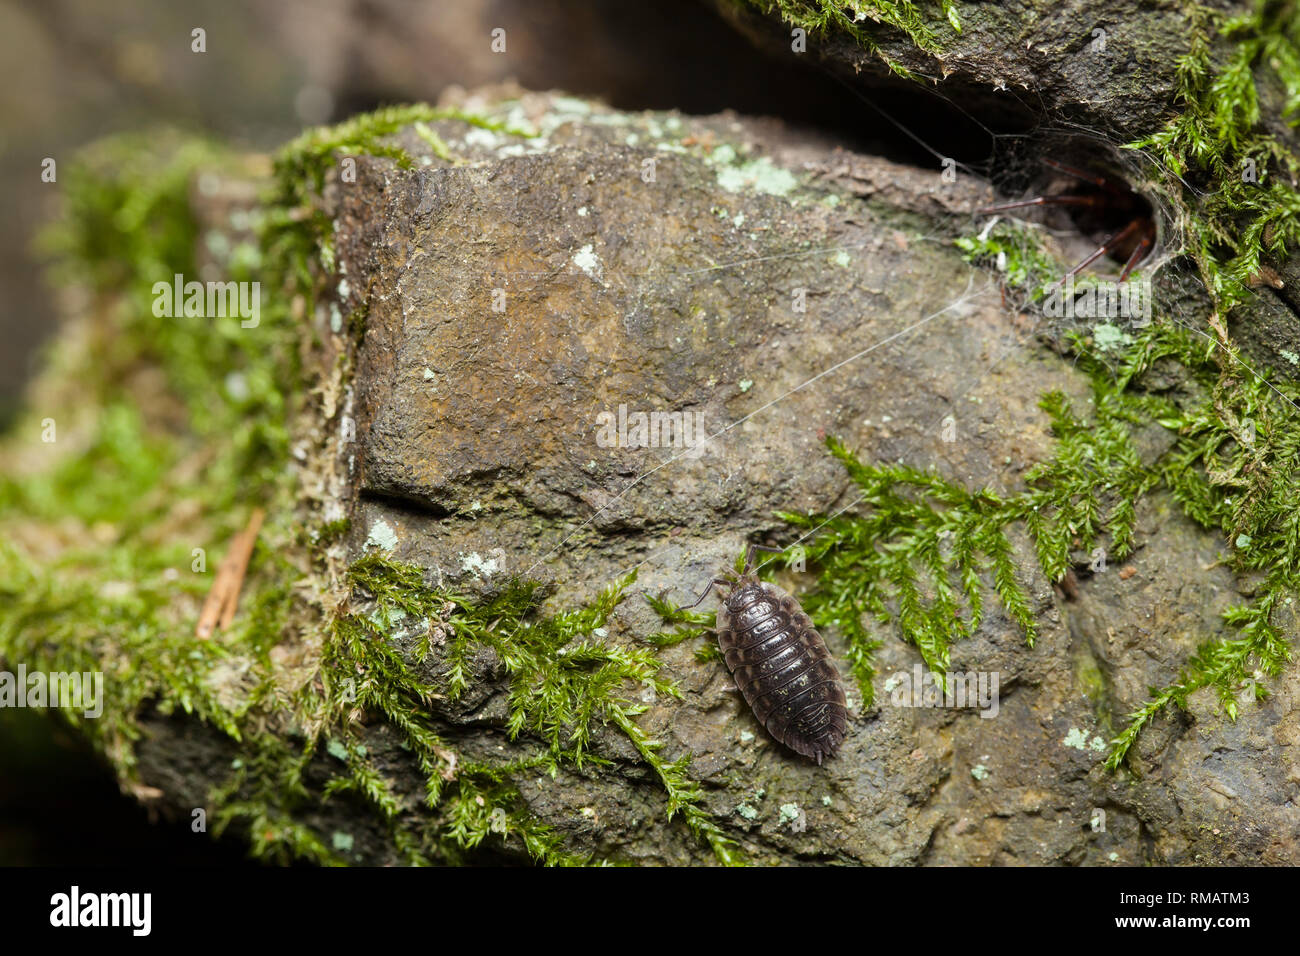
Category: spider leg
[1040,201]
[1105,247]
[1139,252]
[1100,182]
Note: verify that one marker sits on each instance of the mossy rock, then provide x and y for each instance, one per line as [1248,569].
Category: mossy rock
[440,654]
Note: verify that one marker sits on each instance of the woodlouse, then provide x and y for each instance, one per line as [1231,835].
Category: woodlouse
[780,663]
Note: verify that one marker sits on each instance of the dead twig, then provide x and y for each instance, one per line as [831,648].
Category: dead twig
[223,598]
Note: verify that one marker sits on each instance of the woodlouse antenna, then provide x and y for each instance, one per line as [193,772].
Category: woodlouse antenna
[734,579]
[749,555]
[709,587]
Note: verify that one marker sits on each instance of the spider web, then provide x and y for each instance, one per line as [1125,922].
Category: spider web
[1011,166]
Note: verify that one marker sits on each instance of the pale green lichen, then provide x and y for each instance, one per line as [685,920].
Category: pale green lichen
[761,175]
[1110,338]
[587,260]
[335,749]
[382,536]
[1076,738]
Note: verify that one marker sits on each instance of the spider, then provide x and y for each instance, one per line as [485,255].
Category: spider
[1103,208]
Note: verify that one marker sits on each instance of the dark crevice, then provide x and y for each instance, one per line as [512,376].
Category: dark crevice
[60,805]
[424,509]
[682,55]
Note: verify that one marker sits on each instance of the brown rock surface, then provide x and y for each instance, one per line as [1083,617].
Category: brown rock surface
[477,457]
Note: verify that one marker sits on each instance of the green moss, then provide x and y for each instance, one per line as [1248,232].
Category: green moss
[128,210]
[119,594]
[565,681]
[435,141]
[333,531]
[132,492]
[128,226]
[1232,462]
[924,552]
[1231,221]
[859,20]
[928,551]
[302,167]
[1016,253]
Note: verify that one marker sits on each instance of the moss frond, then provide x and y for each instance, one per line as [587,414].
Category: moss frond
[921,551]
[850,19]
[1015,252]
[566,677]
[1234,181]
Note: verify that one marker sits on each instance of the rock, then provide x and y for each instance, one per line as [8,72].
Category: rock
[1080,82]
[497,318]
[478,456]
[1007,66]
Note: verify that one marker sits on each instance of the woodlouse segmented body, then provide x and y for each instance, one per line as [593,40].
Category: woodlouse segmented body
[782,667]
